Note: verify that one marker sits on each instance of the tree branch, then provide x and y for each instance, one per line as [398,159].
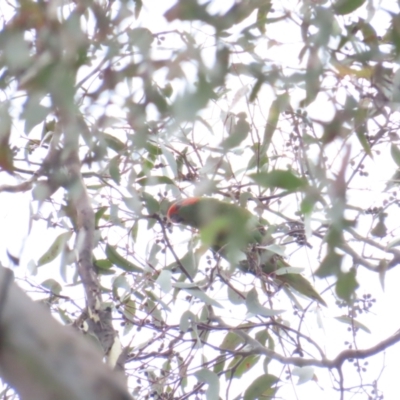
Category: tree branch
[44,360]
[258,348]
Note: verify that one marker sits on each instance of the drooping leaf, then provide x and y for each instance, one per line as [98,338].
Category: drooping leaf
[114,143]
[52,285]
[279,179]
[253,305]
[261,388]
[330,265]
[395,152]
[114,169]
[235,296]
[382,268]
[262,16]
[150,203]
[352,322]
[164,280]
[55,249]
[196,292]
[99,214]
[170,159]
[212,379]
[121,262]
[312,77]
[256,88]
[346,284]
[231,341]
[343,7]
[34,113]
[277,106]
[155,180]
[187,320]
[361,131]
[239,365]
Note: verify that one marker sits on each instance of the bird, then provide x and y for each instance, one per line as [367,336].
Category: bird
[228,229]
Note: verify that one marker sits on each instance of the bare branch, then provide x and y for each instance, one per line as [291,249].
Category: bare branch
[258,348]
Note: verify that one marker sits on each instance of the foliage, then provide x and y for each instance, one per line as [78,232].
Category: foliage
[289,111]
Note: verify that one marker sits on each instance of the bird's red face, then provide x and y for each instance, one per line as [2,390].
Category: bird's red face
[173,212]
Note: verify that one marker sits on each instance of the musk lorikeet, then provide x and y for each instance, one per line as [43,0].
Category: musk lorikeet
[233,228]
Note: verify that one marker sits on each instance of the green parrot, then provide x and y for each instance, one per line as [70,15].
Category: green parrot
[232,229]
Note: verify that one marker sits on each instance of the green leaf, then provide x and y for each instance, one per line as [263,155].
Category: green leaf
[343,7]
[140,37]
[188,10]
[138,7]
[277,106]
[150,203]
[256,88]
[275,248]
[382,268]
[153,254]
[212,379]
[155,180]
[330,265]
[219,364]
[279,178]
[103,267]
[103,264]
[153,150]
[16,50]
[235,296]
[352,322]
[52,285]
[190,262]
[129,308]
[221,67]
[254,306]
[261,388]
[99,214]
[312,195]
[380,229]
[187,105]
[170,160]
[120,261]
[360,132]
[347,284]
[196,292]
[114,169]
[133,203]
[120,287]
[395,152]
[312,77]
[34,113]
[262,336]
[152,308]
[289,270]
[114,143]
[238,133]
[164,280]
[186,321]
[239,365]
[55,249]
[231,341]
[394,243]
[262,16]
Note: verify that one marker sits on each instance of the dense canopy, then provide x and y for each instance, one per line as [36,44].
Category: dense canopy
[111,111]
